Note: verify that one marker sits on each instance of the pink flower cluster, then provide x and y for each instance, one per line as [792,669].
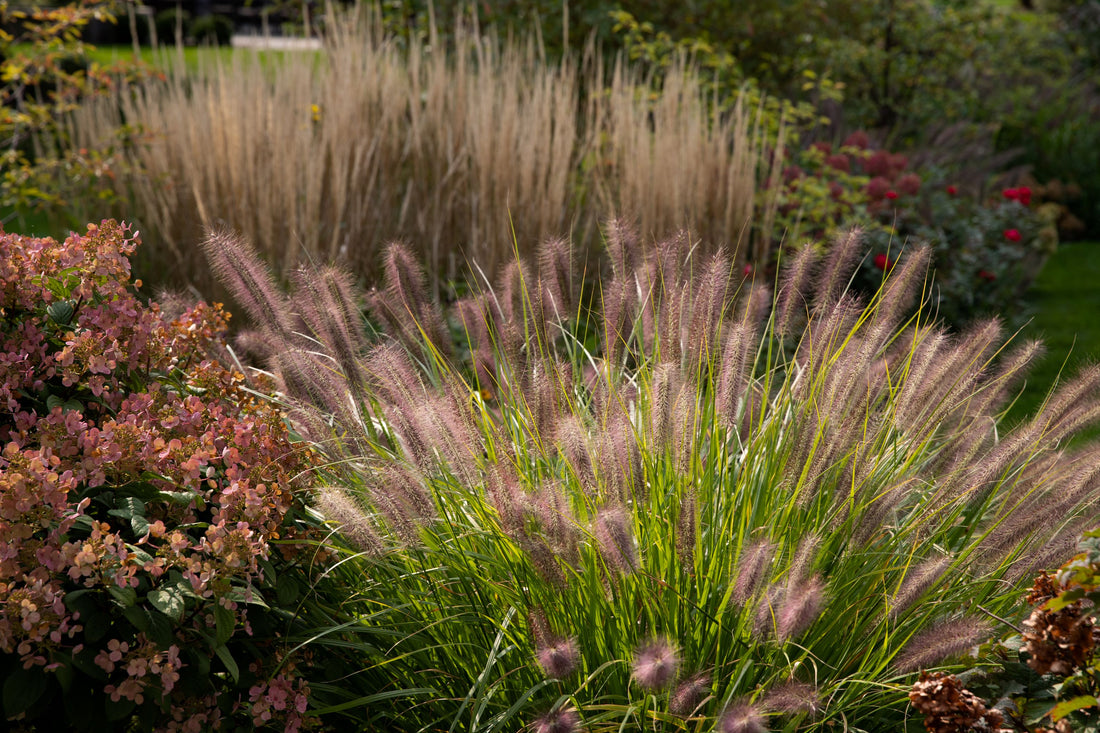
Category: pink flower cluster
[99,391]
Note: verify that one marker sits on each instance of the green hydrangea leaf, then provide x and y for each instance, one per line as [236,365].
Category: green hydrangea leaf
[169,601]
[1066,707]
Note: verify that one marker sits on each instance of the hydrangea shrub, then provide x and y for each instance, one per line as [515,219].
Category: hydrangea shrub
[143,487]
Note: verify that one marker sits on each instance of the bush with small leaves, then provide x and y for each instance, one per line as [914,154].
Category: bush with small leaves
[143,491]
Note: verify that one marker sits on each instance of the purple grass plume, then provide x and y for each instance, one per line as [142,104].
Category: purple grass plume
[559,657]
[741,718]
[751,567]
[565,720]
[237,265]
[656,665]
[355,525]
[944,640]
[689,695]
[792,697]
[801,607]
[615,541]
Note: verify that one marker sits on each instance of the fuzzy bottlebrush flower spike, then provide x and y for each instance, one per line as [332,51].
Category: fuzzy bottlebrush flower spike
[812,497]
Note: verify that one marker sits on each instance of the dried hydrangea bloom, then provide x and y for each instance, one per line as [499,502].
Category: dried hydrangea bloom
[1058,642]
[948,707]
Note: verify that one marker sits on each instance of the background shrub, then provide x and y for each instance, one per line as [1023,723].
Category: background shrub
[143,491]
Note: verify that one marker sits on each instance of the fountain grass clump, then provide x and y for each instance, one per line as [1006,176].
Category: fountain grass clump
[697,507]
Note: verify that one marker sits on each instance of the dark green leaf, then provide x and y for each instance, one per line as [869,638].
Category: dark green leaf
[118,710]
[286,590]
[128,507]
[169,601]
[22,689]
[60,312]
[139,617]
[229,662]
[96,625]
[140,525]
[124,597]
[226,622]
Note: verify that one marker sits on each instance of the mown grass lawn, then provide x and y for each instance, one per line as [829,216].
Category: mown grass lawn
[1066,303]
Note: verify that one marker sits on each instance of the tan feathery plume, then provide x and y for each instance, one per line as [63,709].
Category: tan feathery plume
[791,299]
[354,523]
[623,248]
[946,639]
[902,286]
[236,264]
[838,265]
[917,581]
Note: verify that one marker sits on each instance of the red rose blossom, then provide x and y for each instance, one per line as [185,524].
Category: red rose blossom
[986,275]
[891,195]
[1012,235]
[883,262]
[747,270]
[1011,194]
[952,190]
[1023,195]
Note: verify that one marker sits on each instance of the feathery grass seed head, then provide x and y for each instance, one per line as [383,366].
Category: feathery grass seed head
[656,665]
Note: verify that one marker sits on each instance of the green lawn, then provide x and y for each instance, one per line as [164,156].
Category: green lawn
[1066,303]
[167,58]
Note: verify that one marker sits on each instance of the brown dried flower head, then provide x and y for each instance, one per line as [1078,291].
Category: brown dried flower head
[948,707]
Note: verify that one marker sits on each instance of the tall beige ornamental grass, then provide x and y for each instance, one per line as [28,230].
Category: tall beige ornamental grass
[468,153]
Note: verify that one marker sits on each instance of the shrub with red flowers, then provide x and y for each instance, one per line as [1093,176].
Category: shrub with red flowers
[986,253]
[143,487]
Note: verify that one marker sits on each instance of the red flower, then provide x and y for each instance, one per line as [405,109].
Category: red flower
[891,195]
[1023,195]
[952,191]
[883,262]
[747,270]
[1012,235]
[986,275]
[1011,194]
